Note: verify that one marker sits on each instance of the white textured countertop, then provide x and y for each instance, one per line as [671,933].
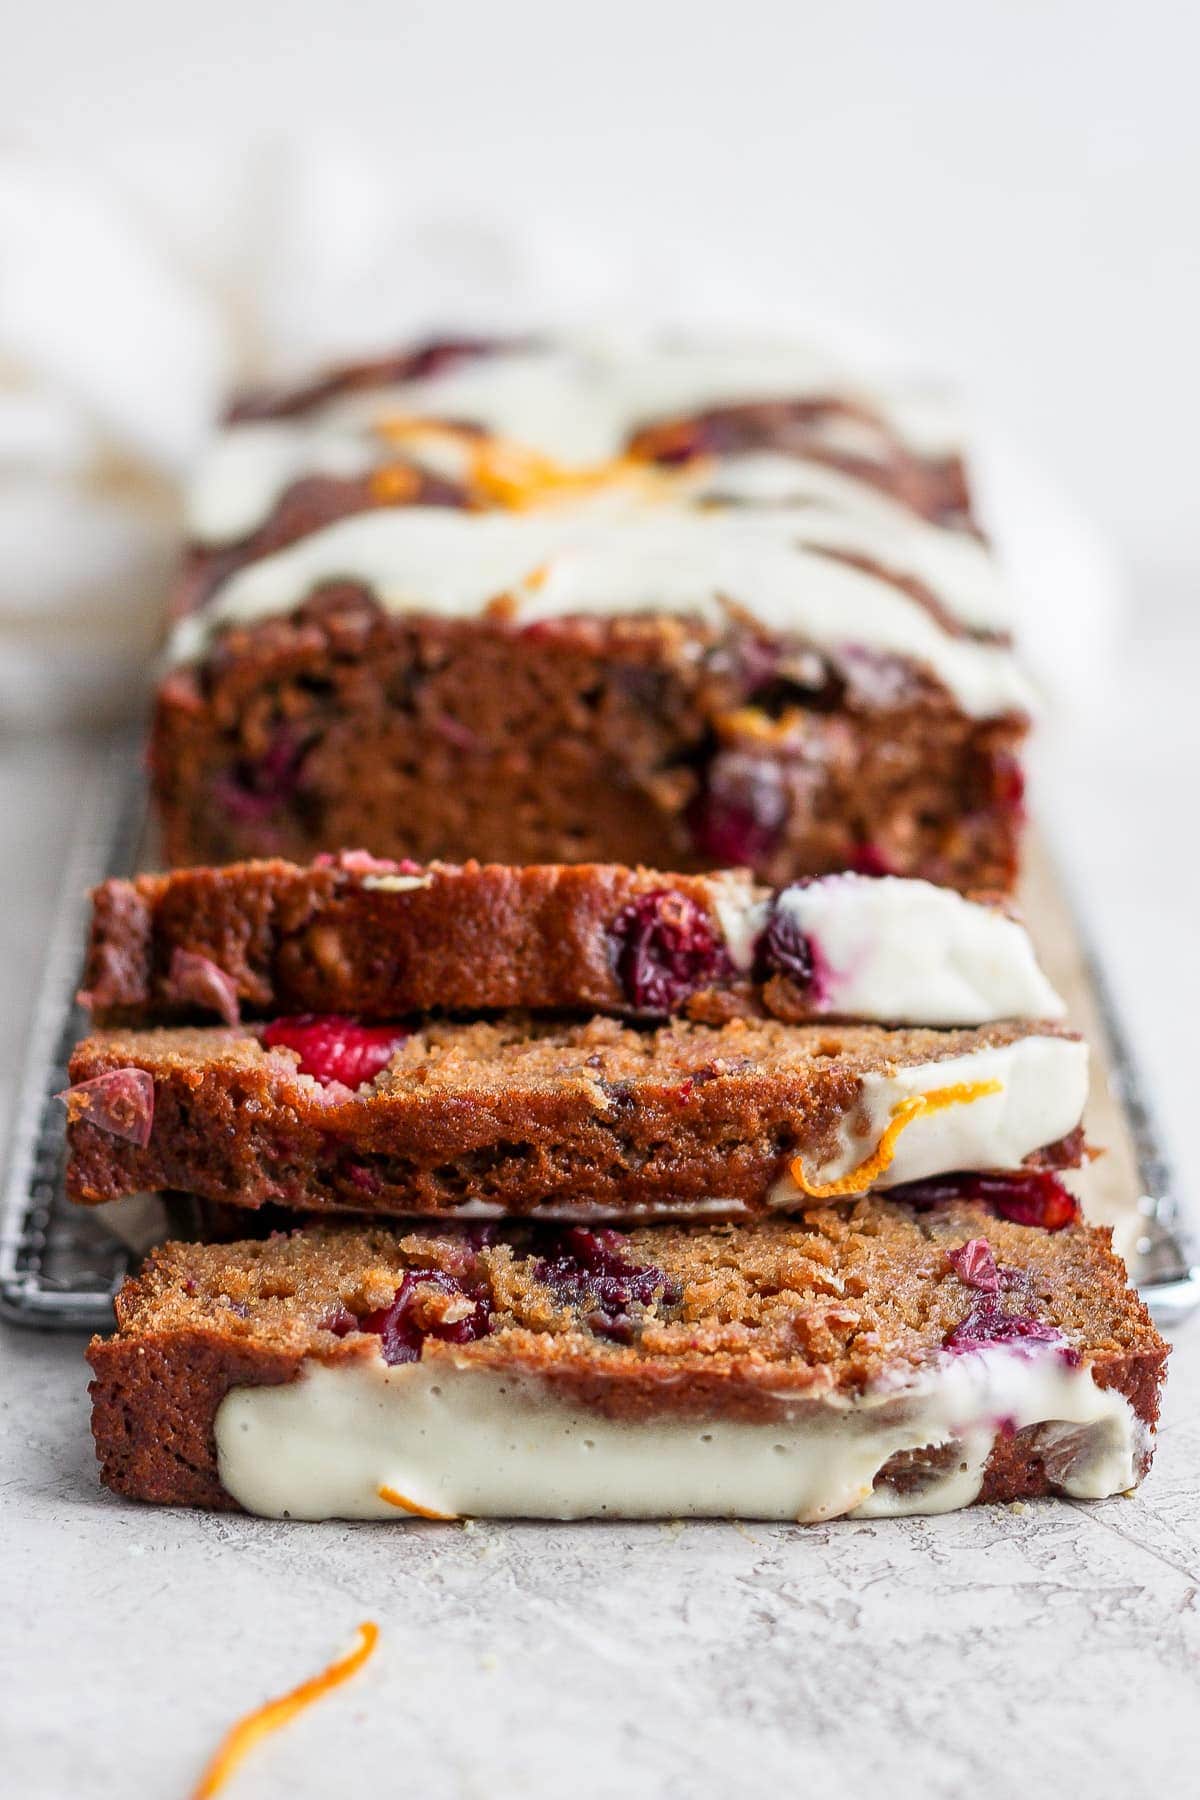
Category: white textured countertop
[1050,1648]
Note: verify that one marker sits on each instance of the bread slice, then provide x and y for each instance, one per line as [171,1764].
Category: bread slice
[379,940]
[882,1356]
[517,1115]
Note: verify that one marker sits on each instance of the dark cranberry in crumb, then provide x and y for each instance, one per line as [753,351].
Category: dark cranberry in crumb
[783,949]
[1034,1197]
[334,1048]
[584,1266]
[738,816]
[254,791]
[988,1323]
[341,1322]
[197,981]
[429,1303]
[665,948]
[360,1176]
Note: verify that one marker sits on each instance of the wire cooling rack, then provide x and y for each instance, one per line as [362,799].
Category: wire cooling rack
[61,1265]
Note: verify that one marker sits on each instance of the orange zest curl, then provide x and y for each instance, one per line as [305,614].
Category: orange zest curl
[917,1106]
[242,1737]
[394,1497]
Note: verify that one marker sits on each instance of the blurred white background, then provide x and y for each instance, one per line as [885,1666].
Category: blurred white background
[1007,186]
[1005,189]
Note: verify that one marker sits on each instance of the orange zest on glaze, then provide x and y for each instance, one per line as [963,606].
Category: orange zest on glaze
[511,475]
[917,1106]
[394,484]
[242,1737]
[394,1497]
[537,578]
[502,472]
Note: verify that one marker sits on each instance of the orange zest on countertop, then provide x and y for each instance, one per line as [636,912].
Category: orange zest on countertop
[394,1497]
[242,1737]
[917,1106]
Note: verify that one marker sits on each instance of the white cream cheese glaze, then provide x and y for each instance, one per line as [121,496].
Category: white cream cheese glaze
[251,465]
[457,1440]
[452,564]
[576,1212]
[581,401]
[740,917]
[909,953]
[1039,1098]
[579,404]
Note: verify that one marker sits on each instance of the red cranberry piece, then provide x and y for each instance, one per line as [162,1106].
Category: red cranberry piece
[869,859]
[413,1315]
[783,949]
[590,1267]
[1008,782]
[334,1048]
[197,981]
[738,817]
[120,1102]
[975,1265]
[665,948]
[361,862]
[1034,1197]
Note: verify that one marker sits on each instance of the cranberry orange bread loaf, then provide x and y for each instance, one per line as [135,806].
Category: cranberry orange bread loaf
[550,604]
[569,1118]
[872,1360]
[354,935]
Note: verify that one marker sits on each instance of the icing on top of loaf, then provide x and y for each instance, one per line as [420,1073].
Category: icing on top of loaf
[549,433]
[644,559]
